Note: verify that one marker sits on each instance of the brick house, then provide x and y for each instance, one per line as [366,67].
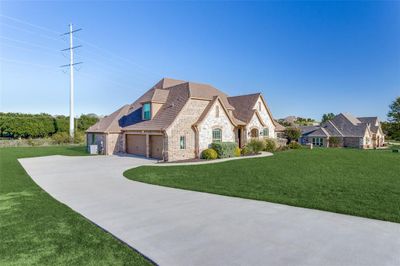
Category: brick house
[348,131]
[177,120]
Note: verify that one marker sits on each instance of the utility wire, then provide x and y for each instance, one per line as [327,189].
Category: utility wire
[144,69]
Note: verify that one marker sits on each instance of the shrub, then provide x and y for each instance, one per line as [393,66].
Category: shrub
[255,146]
[209,154]
[292,133]
[270,145]
[79,137]
[294,145]
[61,138]
[237,152]
[224,149]
[334,142]
[245,151]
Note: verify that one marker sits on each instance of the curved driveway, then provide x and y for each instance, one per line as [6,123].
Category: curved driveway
[178,227]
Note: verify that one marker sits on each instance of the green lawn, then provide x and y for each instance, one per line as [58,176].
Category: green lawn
[349,181]
[36,229]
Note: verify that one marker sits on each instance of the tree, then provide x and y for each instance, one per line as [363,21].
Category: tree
[328,116]
[292,133]
[394,112]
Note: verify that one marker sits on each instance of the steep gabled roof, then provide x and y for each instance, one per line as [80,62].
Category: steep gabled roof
[208,108]
[372,121]
[205,91]
[109,123]
[244,106]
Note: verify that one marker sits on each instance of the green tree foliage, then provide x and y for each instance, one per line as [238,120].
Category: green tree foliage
[18,125]
[328,116]
[292,133]
[392,128]
[394,112]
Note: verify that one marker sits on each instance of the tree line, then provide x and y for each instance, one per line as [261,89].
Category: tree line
[19,125]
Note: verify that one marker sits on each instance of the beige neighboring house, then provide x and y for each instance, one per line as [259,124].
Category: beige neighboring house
[177,120]
[350,131]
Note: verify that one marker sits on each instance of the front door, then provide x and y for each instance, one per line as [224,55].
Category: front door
[240,137]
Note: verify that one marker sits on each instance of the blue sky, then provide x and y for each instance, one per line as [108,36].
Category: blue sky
[307,58]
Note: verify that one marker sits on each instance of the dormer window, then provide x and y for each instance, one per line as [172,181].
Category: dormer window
[146,111]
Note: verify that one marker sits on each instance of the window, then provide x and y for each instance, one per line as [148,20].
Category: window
[93,139]
[259,106]
[146,111]
[216,135]
[217,111]
[318,141]
[182,142]
[266,132]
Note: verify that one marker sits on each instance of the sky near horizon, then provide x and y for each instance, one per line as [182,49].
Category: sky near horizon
[307,58]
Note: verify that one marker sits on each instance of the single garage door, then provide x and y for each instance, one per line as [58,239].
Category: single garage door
[136,144]
[156,146]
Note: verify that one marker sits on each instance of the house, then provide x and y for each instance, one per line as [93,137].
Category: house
[177,120]
[347,131]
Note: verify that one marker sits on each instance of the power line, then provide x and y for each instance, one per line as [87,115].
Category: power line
[27,43]
[144,69]
[29,31]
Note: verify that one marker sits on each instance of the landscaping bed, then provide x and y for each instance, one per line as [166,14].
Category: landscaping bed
[357,182]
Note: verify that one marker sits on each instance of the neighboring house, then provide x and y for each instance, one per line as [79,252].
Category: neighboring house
[177,120]
[348,131]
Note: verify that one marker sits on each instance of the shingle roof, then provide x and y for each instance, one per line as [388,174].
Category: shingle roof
[278,127]
[177,97]
[109,123]
[342,125]
[174,94]
[373,121]
[244,105]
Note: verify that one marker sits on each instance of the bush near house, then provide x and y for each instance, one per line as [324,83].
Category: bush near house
[294,145]
[270,145]
[237,151]
[209,154]
[254,146]
[224,149]
[334,142]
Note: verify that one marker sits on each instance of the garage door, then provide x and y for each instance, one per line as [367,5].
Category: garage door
[156,147]
[136,144]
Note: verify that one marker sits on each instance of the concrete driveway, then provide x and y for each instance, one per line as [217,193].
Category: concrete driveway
[178,227]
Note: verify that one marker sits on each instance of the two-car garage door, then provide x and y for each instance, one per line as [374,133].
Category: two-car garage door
[136,144]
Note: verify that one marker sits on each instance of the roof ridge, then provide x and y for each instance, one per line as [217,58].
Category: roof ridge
[251,94]
[340,132]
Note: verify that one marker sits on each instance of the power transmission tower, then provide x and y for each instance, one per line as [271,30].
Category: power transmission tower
[71,72]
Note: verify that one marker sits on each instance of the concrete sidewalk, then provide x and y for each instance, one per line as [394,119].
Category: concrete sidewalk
[178,227]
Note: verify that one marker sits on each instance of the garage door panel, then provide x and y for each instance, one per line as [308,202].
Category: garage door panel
[156,147]
[136,144]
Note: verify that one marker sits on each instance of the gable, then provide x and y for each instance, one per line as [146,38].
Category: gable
[265,114]
[210,113]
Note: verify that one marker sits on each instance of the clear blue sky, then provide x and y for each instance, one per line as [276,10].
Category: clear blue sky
[307,58]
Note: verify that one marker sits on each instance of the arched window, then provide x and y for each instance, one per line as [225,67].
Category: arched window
[254,133]
[217,111]
[217,135]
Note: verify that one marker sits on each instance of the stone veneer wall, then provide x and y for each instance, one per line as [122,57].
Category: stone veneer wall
[113,143]
[210,122]
[254,123]
[266,118]
[182,126]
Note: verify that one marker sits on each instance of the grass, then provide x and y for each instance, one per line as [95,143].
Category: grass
[349,181]
[35,229]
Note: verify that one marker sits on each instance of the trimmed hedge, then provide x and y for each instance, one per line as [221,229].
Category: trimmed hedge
[224,149]
[209,154]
